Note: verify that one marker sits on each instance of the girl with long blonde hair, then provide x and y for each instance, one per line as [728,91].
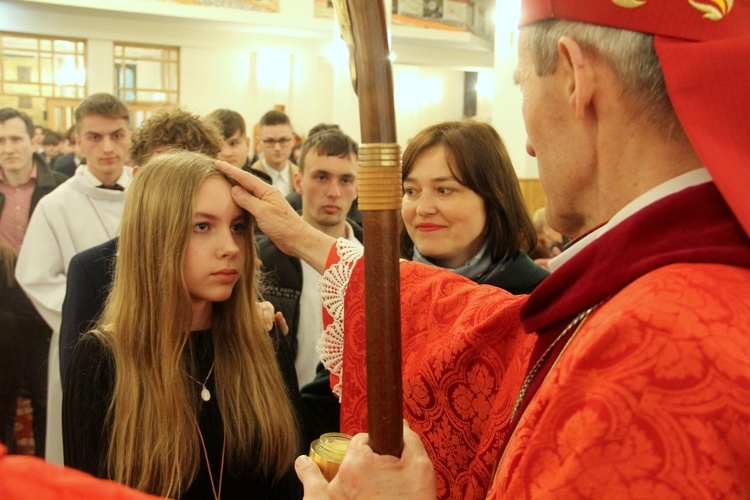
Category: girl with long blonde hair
[179,391]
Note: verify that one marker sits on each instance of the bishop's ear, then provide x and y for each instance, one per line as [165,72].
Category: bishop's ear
[578,74]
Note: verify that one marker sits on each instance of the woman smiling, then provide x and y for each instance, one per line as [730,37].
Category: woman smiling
[462,207]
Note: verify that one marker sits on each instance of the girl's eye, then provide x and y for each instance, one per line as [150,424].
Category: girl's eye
[201,226]
[239,227]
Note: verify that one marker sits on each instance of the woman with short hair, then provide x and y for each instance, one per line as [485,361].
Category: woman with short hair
[462,207]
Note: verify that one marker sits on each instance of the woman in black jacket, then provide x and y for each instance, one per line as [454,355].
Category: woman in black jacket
[462,207]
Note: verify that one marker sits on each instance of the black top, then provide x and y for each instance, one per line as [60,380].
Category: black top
[520,276]
[46,182]
[282,280]
[22,330]
[89,279]
[257,173]
[89,384]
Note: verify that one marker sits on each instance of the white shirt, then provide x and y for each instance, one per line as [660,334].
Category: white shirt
[279,178]
[311,320]
[674,185]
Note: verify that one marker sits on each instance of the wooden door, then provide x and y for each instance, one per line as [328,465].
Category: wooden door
[533,194]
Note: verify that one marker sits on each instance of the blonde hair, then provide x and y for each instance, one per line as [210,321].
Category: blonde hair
[154,445]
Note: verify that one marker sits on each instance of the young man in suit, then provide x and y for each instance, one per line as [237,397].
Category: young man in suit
[327,183]
[277,142]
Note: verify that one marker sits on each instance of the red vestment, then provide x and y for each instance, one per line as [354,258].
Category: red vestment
[650,398]
[31,477]
[458,388]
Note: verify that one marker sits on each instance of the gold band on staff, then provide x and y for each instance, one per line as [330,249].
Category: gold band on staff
[379,176]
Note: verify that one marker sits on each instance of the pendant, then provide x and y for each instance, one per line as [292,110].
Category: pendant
[205,394]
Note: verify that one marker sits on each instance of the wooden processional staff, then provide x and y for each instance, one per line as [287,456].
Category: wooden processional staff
[363,29]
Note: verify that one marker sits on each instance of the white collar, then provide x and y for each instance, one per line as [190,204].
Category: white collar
[350,235]
[123,180]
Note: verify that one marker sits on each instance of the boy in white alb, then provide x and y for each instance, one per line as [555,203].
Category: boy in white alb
[83,212]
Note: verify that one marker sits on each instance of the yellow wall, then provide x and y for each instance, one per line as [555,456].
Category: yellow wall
[533,194]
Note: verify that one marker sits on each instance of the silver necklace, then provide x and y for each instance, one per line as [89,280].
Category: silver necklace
[205,393]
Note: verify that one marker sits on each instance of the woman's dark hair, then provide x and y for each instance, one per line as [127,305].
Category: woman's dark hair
[477,158]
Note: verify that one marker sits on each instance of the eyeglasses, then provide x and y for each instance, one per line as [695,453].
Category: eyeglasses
[284,141]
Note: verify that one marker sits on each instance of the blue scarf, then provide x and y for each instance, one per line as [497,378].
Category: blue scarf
[474,268]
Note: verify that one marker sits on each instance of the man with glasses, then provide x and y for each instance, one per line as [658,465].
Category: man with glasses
[277,143]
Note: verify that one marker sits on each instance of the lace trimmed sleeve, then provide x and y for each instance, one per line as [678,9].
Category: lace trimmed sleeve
[332,287]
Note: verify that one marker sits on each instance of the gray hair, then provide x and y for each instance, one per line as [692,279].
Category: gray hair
[630,55]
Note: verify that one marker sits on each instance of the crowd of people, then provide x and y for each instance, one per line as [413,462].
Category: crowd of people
[160,302]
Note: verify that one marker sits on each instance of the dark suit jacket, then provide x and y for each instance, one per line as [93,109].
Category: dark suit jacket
[259,169]
[257,173]
[282,283]
[46,181]
[90,275]
[283,287]
[65,163]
